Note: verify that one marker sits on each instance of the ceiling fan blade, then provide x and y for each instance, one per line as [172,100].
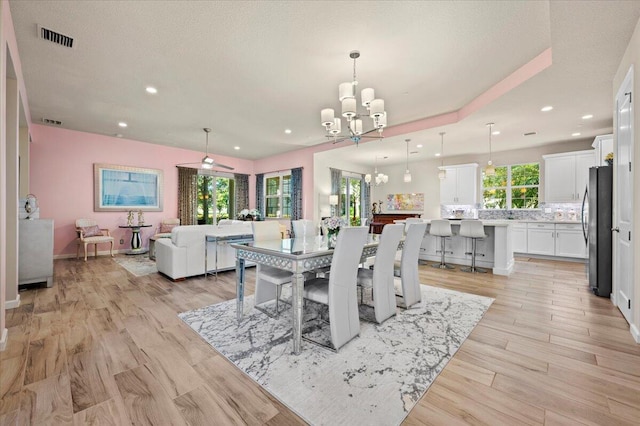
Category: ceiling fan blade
[223,166]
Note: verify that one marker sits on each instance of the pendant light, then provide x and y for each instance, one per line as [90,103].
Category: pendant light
[442,173]
[407,173]
[490,170]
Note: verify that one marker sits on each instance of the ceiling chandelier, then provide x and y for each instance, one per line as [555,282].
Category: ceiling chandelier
[380,178]
[407,173]
[347,96]
[490,170]
[443,172]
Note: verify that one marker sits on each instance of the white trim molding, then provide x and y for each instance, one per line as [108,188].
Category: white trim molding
[3,339]
[12,304]
[635,333]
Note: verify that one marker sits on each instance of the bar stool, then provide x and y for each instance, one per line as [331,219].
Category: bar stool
[473,229]
[442,229]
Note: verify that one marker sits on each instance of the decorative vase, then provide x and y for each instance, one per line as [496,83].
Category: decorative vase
[332,237]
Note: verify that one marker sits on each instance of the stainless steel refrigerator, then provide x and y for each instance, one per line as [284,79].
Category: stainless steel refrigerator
[596,225]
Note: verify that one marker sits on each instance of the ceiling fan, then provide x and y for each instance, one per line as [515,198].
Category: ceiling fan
[356,137]
[207,162]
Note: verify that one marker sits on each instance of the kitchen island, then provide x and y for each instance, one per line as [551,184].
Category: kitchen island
[494,252]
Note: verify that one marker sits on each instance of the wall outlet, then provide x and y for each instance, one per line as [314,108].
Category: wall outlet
[122,239]
[547,210]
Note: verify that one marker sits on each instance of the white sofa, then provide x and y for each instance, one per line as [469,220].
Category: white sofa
[182,255]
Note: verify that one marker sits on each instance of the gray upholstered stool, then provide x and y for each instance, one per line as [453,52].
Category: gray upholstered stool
[473,229]
[442,229]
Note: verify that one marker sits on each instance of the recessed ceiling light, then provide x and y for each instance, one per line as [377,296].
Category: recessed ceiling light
[287,131]
[437,154]
[151,90]
[497,132]
[588,116]
[236,148]
[122,124]
[546,109]
[419,145]
[575,134]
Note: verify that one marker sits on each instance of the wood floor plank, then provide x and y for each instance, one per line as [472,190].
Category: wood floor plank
[145,401]
[174,373]
[47,357]
[532,357]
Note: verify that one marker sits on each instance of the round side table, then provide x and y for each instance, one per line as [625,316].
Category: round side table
[136,241]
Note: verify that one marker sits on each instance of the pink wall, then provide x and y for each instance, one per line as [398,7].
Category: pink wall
[61,177]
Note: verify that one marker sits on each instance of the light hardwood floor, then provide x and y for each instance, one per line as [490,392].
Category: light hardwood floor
[105,347]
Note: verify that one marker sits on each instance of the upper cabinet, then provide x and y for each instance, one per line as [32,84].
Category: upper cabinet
[567,175]
[603,145]
[460,184]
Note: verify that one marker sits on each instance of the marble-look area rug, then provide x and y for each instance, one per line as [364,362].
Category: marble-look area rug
[138,265]
[375,379]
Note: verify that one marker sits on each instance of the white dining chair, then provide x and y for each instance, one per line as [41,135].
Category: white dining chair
[303,228]
[269,280]
[339,291]
[381,279]
[407,268]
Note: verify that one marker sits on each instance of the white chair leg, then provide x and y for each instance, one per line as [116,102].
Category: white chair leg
[85,251]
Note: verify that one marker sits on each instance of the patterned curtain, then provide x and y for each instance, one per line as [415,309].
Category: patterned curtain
[242,192]
[296,194]
[366,199]
[187,195]
[260,193]
[336,177]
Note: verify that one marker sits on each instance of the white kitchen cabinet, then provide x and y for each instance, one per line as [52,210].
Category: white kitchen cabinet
[566,175]
[569,241]
[460,184]
[541,238]
[603,145]
[519,237]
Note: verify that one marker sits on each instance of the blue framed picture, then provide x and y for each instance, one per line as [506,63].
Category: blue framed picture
[124,188]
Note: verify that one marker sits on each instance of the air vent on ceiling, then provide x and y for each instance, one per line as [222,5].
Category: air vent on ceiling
[531,133]
[52,122]
[55,37]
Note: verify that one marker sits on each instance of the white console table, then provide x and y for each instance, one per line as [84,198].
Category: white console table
[35,251]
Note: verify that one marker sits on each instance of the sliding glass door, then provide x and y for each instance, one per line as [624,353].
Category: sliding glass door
[215,199]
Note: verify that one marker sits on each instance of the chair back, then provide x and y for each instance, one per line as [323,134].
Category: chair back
[81,223]
[384,295]
[408,221]
[440,228]
[343,294]
[363,221]
[409,264]
[266,230]
[303,228]
[472,228]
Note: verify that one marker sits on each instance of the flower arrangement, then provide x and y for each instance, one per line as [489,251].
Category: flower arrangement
[334,223]
[609,158]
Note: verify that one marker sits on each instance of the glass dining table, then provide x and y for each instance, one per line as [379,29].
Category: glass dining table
[297,255]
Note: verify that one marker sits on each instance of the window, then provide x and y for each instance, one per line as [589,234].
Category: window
[215,198]
[351,199]
[512,187]
[277,195]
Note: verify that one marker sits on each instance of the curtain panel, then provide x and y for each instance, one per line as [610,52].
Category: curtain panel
[187,195]
[366,199]
[296,194]
[241,192]
[336,177]
[260,194]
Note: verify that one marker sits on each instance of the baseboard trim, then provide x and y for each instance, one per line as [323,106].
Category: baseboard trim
[12,304]
[505,271]
[635,333]
[89,255]
[3,339]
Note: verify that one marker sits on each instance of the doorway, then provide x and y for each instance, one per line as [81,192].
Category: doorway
[623,263]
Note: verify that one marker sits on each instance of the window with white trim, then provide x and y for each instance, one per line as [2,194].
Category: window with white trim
[277,195]
[512,187]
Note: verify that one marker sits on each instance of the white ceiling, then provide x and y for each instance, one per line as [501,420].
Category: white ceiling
[251,69]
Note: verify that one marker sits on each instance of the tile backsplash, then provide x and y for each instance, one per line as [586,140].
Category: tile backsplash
[564,210]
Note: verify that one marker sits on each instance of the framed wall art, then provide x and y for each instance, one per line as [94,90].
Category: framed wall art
[405,202]
[124,188]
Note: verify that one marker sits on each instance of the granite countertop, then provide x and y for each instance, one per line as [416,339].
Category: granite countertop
[505,222]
